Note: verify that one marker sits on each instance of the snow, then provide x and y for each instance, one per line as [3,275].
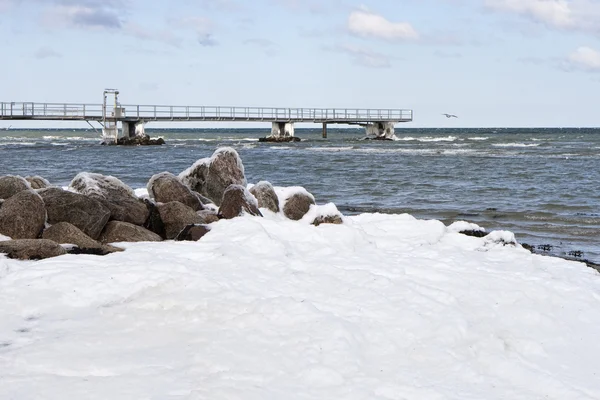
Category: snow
[326,210]
[380,307]
[4,238]
[462,226]
[187,176]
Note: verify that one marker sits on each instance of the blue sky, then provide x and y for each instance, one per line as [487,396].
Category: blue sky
[492,62]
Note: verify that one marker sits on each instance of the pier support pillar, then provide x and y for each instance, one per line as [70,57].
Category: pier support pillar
[133,129]
[381,130]
[324,130]
[282,129]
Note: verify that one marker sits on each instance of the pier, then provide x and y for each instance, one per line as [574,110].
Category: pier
[378,123]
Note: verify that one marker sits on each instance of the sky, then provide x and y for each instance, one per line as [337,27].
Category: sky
[493,63]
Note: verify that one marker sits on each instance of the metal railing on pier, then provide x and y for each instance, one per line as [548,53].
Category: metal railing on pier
[96,112]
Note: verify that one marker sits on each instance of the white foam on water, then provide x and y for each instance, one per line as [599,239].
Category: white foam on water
[515,144]
[331,149]
[478,138]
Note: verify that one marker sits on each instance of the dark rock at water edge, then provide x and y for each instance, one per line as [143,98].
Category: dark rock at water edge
[193,233]
[237,200]
[474,233]
[23,215]
[144,140]
[31,249]
[87,214]
[284,139]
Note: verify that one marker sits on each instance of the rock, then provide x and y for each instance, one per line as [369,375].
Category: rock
[176,216]
[66,233]
[474,233]
[37,182]
[31,249]
[210,177]
[11,185]
[237,200]
[143,140]
[208,216]
[118,231]
[328,219]
[297,205]
[154,223]
[192,233]
[265,195]
[119,198]
[87,214]
[279,139]
[23,215]
[166,187]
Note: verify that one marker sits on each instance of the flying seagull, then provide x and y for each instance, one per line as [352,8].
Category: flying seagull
[450,115]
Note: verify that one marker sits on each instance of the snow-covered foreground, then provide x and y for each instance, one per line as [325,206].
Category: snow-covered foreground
[381,307]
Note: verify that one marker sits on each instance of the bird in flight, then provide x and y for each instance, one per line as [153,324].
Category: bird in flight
[450,115]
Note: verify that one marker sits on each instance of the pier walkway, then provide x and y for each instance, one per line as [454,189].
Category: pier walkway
[133,117]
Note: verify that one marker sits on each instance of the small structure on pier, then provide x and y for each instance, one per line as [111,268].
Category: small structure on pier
[379,123]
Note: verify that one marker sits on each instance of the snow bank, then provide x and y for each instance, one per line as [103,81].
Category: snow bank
[463,226]
[316,211]
[380,307]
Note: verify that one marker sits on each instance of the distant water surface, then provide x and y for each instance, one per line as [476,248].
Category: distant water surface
[542,184]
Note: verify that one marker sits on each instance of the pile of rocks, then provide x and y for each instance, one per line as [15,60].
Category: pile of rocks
[95,210]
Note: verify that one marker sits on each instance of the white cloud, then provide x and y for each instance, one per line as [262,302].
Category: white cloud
[556,13]
[84,16]
[140,32]
[204,28]
[367,24]
[585,58]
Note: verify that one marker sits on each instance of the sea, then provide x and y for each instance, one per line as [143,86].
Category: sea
[540,184]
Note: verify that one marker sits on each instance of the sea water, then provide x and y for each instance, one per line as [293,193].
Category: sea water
[541,184]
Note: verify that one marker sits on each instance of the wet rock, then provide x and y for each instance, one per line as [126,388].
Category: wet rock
[166,187]
[237,200]
[265,195]
[297,205]
[193,233]
[23,215]
[66,233]
[143,140]
[279,139]
[176,216]
[31,249]
[86,213]
[119,198]
[37,182]
[474,233]
[11,185]
[118,231]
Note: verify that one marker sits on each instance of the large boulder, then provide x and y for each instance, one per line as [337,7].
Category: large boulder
[211,177]
[154,223]
[297,204]
[66,233]
[31,249]
[37,182]
[23,215]
[166,187]
[237,200]
[119,198]
[11,185]
[118,231]
[192,233]
[88,214]
[208,216]
[176,216]
[265,195]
